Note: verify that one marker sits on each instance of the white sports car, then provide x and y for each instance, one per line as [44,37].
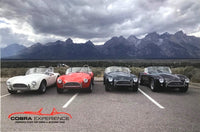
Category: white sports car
[34,79]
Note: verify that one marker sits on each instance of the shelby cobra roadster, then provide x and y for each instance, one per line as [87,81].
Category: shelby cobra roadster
[159,77]
[34,79]
[116,76]
[76,78]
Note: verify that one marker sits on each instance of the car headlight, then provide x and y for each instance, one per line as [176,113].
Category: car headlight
[161,80]
[34,83]
[8,83]
[59,81]
[85,80]
[110,79]
[187,80]
[135,79]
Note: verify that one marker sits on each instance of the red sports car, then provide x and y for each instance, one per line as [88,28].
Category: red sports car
[76,78]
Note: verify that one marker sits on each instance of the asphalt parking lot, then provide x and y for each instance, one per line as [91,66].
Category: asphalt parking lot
[100,111]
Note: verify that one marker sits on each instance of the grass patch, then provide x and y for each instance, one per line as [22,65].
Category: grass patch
[191,72]
[10,72]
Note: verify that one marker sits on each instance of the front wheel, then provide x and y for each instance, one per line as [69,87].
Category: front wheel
[108,87]
[59,90]
[90,88]
[135,88]
[184,89]
[153,85]
[92,81]
[12,91]
[140,81]
[43,87]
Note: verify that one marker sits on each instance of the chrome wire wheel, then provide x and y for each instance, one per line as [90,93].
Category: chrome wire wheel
[152,85]
[43,87]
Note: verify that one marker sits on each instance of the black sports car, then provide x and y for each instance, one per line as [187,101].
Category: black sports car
[160,77]
[115,76]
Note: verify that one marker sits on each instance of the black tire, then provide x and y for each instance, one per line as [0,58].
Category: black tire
[135,88]
[12,91]
[110,88]
[92,81]
[43,87]
[153,85]
[184,89]
[140,82]
[60,90]
[106,87]
[89,89]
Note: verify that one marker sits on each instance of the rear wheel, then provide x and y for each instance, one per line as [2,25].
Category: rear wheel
[184,89]
[12,91]
[43,87]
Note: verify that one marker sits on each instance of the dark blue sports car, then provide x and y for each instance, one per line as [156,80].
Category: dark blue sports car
[115,76]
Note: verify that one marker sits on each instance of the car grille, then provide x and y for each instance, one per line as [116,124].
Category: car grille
[20,86]
[72,84]
[175,84]
[123,82]
[122,78]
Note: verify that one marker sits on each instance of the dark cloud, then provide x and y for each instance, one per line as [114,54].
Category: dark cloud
[100,19]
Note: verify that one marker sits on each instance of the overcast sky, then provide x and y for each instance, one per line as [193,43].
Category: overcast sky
[31,21]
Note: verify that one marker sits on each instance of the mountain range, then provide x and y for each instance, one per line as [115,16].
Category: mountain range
[152,46]
[11,50]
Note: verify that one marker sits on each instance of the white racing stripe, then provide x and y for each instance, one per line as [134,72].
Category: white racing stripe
[4,95]
[152,100]
[69,102]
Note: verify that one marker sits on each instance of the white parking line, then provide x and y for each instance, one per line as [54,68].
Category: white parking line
[4,95]
[68,102]
[152,100]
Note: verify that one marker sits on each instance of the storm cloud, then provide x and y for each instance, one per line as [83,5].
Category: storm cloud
[99,20]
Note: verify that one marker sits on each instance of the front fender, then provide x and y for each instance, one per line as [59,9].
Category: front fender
[181,76]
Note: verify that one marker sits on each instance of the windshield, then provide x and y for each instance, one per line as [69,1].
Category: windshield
[152,70]
[117,69]
[78,69]
[37,70]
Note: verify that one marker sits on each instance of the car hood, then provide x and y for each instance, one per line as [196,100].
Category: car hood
[121,75]
[75,77]
[27,79]
[169,77]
